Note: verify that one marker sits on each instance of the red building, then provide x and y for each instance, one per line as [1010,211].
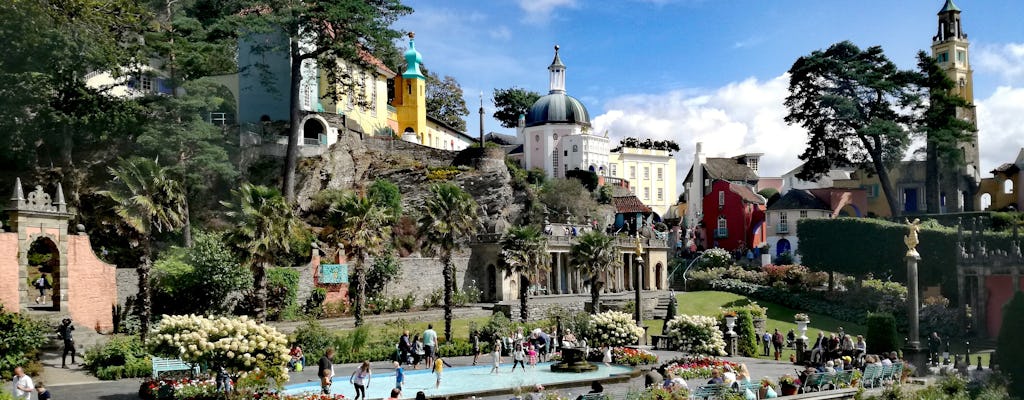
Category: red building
[733,216]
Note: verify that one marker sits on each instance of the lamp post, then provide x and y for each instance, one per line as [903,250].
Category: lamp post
[636,285]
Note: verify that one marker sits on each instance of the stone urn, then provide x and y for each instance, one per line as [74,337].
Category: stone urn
[730,322]
[801,327]
[573,360]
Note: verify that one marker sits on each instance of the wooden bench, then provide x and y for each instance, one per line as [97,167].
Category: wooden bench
[592,396]
[171,364]
[707,392]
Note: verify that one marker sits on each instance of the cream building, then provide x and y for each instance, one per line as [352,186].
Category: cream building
[651,174]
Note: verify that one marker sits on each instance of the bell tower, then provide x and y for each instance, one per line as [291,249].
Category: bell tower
[410,97]
[949,47]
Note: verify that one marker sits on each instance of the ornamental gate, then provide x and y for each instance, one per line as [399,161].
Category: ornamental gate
[82,286]
[987,278]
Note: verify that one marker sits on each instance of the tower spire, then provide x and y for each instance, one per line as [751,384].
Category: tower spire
[413,59]
[557,70]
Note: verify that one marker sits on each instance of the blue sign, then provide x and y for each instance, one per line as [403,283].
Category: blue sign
[333,273]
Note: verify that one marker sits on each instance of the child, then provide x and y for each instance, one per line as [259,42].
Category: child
[607,355]
[532,353]
[518,357]
[439,364]
[43,393]
[496,354]
[399,376]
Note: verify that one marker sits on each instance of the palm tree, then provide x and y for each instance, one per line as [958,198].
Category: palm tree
[449,213]
[264,224]
[594,253]
[524,253]
[148,201]
[363,227]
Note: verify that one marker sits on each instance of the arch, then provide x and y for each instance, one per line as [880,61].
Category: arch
[659,272]
[43,258]
[592,169]
[850,210]
[985,201]
[783,246]
[1008,186]
[313,126]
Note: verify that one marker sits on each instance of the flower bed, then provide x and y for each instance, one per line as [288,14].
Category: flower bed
[633,357]
[696,367]
[198,389]
[696,334]
[615,328]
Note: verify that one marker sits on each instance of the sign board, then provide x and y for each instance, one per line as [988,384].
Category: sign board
[333,273]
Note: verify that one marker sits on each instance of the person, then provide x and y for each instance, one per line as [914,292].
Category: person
[41,392]
[404,347]
[223,380]
[429,343]
[830,366]
[846,346]
[64,332]
[886,361]
[766,340]
[439,364]
[716,377]
[537,393]
[860,347]
[817,351]
[360,379]
[790,338]
[395,394]
[325,370]
[606,354]
[742,375]
[421,396]
[475,339]
[518,357]
[674,382]
[777,343]
[569,340]
[298,360]
[417,351]
[729,376]
[596,387]
[531,354]
[23,386]
[399,376]
[41,284]
[496,355]
[934,344]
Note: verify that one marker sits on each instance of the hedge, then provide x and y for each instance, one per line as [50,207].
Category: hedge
[858,246]
[1009,348]
[881,336]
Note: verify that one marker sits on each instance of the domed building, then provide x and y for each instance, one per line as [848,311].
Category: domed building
[555,132]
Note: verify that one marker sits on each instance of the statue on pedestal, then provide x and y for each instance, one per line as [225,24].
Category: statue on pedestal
[911,239]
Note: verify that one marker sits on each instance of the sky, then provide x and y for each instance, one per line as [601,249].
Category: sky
[710,71]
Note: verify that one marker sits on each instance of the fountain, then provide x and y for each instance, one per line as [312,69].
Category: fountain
[574,359]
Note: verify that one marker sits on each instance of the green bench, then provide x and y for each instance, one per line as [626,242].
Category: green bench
[170,365]
[707,391]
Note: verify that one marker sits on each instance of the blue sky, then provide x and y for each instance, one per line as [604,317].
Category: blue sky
[708,70]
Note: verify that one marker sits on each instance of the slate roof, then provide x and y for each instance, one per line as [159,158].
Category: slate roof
[798,199]
[729,169]
[747,193]
[629,204]
[949,6]
[1007,168]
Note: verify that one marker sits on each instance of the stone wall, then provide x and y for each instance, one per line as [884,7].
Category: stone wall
[421,276]
[10,298]
[427,155]
[127,284]
[92,286]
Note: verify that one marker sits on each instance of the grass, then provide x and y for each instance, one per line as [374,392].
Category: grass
[393,330]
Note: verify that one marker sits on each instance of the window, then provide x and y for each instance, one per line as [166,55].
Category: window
[146,83]
[721,199]
[647,193]
[536,138]
[632,172]
[783,223]
[803,214]
[660,174]
[942,57]
[565,153]
[1008,186]
[575,148]
[722,231]
[661,194]
[373,96]
[961,56]
[870,190]
[647,172]
[614,169]
[752,163]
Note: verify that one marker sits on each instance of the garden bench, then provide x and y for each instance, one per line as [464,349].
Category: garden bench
[171,364]
[872,376]
[817,381]
[592,396]
[897,373]
[844,379]
[706,392]
[753,387]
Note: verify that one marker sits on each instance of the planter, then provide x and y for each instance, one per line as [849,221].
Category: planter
[730,322]
[801,326]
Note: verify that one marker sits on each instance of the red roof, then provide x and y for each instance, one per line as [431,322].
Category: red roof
[376,62]
[746,193]
[629,204]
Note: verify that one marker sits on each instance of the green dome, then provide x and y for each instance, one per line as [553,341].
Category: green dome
[557,108]
[413,59]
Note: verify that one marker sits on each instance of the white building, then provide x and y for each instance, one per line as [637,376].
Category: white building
[827,180]
[651,174]
[783,215]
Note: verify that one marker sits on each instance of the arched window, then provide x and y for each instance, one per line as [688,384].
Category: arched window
[986,201]
[1008,186]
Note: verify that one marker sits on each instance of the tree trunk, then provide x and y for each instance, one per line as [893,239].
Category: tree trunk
[595,294]
[186,230]
[360,306]
[524,291]
[259,276]
[931,178]
[874,146]
[831,280]
[294,129]
[145,302]
[449,287]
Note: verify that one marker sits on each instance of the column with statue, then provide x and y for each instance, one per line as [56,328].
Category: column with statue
[912,351]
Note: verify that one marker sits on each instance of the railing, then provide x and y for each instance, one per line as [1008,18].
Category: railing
[310,141]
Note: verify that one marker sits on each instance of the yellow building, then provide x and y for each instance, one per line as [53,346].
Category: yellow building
[1002,191]
[651,174]
[365,102]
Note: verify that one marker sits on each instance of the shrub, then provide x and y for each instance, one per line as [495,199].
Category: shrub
[20,340]
[696,334]
[937,316]
[578,322]
[746,336]
[442,173]
[614,328]
[120,357]
[314,339]
[881,336]
[715,258]
[495,327]
[1009,347]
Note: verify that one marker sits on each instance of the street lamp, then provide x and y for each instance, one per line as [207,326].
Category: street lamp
[636,285]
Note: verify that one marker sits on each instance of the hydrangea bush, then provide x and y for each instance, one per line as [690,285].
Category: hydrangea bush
[696,334]
[615,328]
[240,345]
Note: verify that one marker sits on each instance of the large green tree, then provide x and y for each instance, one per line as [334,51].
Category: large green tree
[510,103]
[855,105]
[943,128]
[324,31]
[1009,348]
[593,254]
[264,225]
[524,255]
[449,215]
[363,226]
[148,201]
[445,101]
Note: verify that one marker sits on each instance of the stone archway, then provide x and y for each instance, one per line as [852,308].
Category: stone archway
[659,271]
[43,259]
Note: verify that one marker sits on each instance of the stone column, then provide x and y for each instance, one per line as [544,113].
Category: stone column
[557,289]
[912,351]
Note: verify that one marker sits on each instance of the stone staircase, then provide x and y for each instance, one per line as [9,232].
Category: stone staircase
[661,308]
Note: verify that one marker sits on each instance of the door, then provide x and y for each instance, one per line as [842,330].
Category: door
[910,199]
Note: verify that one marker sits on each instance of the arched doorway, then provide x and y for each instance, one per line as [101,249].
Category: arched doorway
[783,246]
[312,131]
[43,261]
[658,273]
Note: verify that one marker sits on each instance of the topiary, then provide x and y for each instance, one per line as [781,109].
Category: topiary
[746,336]
[881,336]
[1009,346]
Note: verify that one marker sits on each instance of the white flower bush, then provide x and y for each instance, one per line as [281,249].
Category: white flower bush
[716,258]
[238,344]
[696,334]
[615,328]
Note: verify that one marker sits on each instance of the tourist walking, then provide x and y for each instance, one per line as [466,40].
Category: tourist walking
[41,392]
[325,370]
[64,332]
[777,342]
[531,354]
[518,357]
[439,364]
[429,343]
[399,376]
[474,338]
[496,355]
[41,284]
[22,383]
[360,379]
[404,348]
[606,354]
[766,339]
[417,351]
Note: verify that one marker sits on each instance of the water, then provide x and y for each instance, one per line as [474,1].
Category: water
[458,380]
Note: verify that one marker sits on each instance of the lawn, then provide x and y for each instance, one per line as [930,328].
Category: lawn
[392,330]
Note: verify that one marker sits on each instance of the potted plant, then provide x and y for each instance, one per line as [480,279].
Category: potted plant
[766,385]
[855,379]
[730,322]
[789,384]
[802,320]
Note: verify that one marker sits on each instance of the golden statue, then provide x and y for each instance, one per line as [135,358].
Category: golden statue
[639,246]
[911,239]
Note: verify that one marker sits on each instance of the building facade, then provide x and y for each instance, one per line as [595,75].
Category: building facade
[783,215]
[651,174]
[1002,191]
[705,170]
[733,217]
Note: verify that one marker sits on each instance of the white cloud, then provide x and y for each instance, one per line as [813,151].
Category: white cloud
[1005,60]
[541,11]
[1000,127]
[741,117]
[502,32]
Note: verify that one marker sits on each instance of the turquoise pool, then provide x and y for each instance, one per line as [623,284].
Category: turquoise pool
[458,380]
